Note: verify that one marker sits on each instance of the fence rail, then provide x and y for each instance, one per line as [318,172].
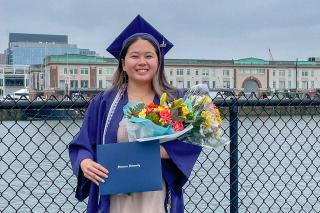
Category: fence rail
[271,165]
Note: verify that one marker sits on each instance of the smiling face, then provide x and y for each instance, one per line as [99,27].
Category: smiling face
[141,62]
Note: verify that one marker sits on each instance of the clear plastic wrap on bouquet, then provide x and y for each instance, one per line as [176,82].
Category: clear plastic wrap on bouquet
[206,142]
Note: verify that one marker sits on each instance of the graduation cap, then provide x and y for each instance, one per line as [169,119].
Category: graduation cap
[139,27]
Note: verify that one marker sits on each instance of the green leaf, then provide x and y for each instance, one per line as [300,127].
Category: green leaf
[178,102]
[134,110]
[163,99]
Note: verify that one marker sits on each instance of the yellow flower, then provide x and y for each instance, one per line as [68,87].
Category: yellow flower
[207,118]
[185,110]
[219,120]
[217,112]
[207,99]
[160,108]
[142,113]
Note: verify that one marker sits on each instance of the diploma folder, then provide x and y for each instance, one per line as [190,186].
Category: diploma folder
[132,166]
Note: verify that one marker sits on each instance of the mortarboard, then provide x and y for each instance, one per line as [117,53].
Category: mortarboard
[139,26]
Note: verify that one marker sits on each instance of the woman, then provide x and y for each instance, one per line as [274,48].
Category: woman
[140,75]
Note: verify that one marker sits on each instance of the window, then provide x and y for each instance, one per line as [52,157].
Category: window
[289,73]
[304,84]
[274,73]
[205,72]
[179,71]
[226,73]
[41,75]
[108,83]
[63,71]
[197,72]
[171,72]
[84,71]
[274,84]
[84,83]
[282,84]
[289,85]
[109,71]
[305,73]
[188,84]
[100,84]
[213,84]
[62,84]
[197,82]
[74,84]
[188,71]
[27,82]
[73,71]
[260,71]
[282,73]
[1,82]
[100,71]
[312,73]
[206,82]
[226,84]
[180,84]
[312,84]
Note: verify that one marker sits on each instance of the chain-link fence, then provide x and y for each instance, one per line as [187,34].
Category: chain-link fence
[272,163]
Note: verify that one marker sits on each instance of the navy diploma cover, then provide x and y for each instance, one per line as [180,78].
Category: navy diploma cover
[132,166]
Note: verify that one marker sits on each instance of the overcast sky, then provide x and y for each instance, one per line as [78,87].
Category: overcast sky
[202,29]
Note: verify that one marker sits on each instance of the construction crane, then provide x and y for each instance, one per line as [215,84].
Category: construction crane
[270,55]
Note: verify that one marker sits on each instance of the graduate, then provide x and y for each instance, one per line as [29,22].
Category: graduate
[140,77]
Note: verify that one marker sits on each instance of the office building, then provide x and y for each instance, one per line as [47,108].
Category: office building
[3,58]
[28,49]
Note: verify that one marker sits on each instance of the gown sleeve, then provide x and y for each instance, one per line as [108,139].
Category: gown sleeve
[178,168]
[183,156]
[83,145]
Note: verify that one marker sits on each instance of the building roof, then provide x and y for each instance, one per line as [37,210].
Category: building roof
[74,58]
[25,37]
[197,62]
[251,61]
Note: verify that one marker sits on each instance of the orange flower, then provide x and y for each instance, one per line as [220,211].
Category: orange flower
[152,106]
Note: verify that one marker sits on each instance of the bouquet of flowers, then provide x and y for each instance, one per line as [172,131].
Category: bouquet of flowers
[193,119]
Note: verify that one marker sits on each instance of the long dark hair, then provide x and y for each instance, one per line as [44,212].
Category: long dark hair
[159,82]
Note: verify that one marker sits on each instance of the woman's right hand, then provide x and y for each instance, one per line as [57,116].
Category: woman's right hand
[93,171]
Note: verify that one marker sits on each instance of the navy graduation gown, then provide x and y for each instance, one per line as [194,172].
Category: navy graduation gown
[175,170]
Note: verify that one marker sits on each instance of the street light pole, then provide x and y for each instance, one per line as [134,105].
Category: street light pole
[296,74]
[45,61]
[66,76]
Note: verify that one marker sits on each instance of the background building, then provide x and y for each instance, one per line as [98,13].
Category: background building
[3,58]
[14,78]
[28,49]
[77,74]
[74,74]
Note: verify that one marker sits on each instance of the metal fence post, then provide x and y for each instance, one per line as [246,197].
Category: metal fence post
[234,157]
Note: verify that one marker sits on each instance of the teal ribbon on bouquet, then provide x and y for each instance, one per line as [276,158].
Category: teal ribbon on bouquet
[148,126]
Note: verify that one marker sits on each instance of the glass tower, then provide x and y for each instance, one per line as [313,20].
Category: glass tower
[28,49]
